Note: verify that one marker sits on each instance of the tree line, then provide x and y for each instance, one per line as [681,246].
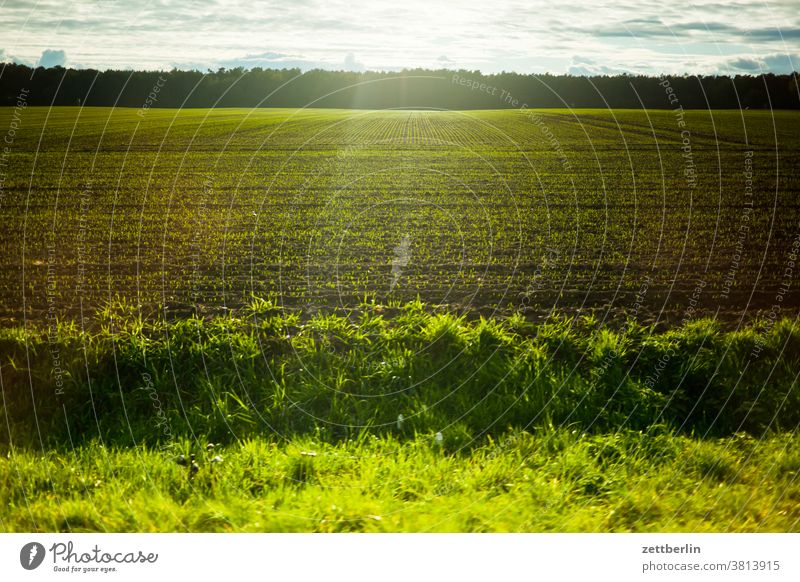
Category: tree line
[411,88]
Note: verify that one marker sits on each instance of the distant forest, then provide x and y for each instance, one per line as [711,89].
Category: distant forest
[415,88]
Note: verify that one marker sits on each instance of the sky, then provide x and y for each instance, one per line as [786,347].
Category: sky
[704,37]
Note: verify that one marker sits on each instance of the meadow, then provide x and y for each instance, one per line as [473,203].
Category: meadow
[399,320]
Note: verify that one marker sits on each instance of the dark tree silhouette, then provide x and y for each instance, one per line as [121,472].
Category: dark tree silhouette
[413,88]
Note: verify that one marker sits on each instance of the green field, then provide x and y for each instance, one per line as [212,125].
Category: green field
[399,320]
[502,209]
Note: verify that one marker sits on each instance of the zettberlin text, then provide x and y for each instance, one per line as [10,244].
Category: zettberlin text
[665,549]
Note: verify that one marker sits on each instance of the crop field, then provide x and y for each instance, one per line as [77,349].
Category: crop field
[399,320]
[480,211]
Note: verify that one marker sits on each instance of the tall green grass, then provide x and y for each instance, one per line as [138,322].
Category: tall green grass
[542,480]
[263,372]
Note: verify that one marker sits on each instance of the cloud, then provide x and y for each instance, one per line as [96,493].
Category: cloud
[276,60]
[444,62]
[52,58]
[351,64]
[773,34]
[268,60]
[513,35]
[586,66]
[706,30]
[6,57]
[776,63]
[747,64]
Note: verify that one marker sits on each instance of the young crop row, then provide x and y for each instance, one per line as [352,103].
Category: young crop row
[196,209]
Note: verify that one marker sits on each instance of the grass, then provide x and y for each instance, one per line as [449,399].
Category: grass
[544,481]
[587,326]
[549,427]
[262,371]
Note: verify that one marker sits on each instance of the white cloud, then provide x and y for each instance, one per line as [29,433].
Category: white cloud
[776,63]
[521,35]
[5,57]
[266,60]
[585,66]
[52,58]
[351,64]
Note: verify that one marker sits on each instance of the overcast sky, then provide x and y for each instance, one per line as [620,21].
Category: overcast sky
[492,35]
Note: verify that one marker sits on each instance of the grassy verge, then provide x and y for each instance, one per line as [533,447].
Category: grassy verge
[398,419]
[556,481]
[263,372]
